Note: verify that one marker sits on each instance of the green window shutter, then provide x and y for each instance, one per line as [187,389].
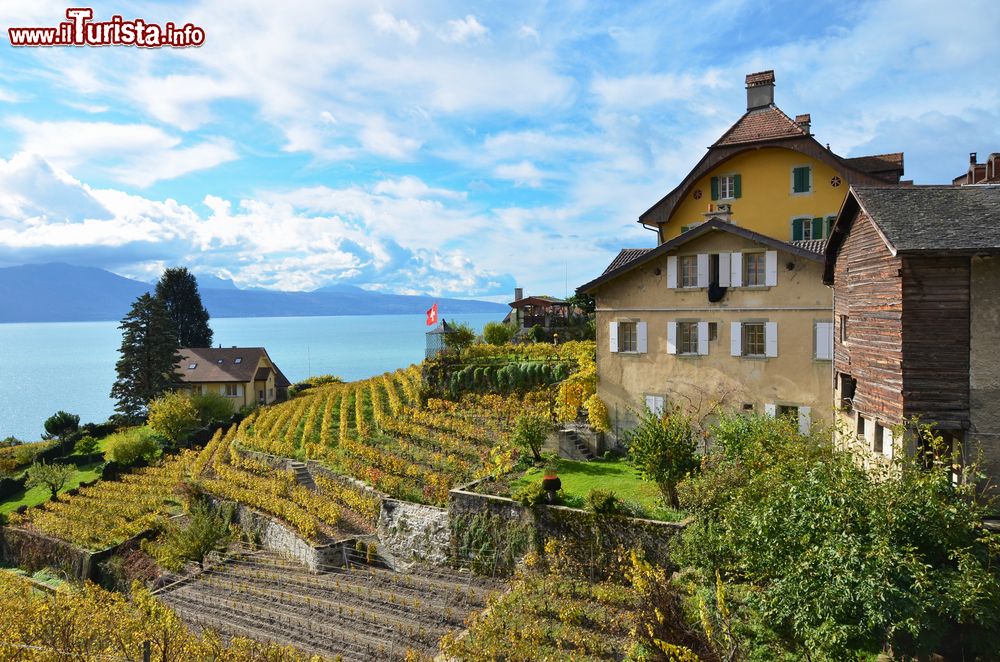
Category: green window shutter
[829,226]
[737,186]
[800,180]
[715,188]
[817,228]
[797,229]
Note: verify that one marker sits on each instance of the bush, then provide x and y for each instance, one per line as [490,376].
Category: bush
[174,416]
[86,445]
[129,446]
[531,494]
[459,337]
[212,407]
[537,334]
[663,449]
[603,502]
[206,530]
[529,433]
[498,333]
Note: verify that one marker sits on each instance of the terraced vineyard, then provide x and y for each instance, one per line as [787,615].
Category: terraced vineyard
[377,431]
[110,512]
[359,613]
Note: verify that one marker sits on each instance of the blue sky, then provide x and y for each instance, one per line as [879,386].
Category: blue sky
[446,148]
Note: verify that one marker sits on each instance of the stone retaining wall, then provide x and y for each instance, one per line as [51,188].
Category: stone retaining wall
[412,532]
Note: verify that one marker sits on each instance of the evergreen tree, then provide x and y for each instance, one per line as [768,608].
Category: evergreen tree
[149,356]
[177,290]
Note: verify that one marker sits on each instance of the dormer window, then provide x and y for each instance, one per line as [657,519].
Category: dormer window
[238,359]
[192,366]
[219,361]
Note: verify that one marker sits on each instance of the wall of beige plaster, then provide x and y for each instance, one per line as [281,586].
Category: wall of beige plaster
[794,377]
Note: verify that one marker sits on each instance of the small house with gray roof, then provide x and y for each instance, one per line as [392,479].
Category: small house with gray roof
[916,285]
[244,375]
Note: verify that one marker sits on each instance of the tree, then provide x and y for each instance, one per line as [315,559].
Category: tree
[498,333]
[460,335]
[212,406]
[149,357]
[129,446]
[61,425]
[529,433]
[207,530]
[174,416]
[177,290]
[663,449]
[52,476]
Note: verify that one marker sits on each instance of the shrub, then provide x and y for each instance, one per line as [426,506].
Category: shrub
[529,433]
[537,333]
[129,446]
[460,336]
[212,407]
[498,333]
[7,442]
[663,449]
[173,415]
[531,494]
[603,502]
[206,530]
[85,445]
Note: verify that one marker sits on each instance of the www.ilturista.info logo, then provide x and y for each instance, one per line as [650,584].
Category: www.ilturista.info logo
[80,30]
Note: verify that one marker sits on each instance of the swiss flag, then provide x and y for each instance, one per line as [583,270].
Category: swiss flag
[432,315]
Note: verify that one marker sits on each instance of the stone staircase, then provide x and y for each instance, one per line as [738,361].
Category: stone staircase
[302,475]
[578,446]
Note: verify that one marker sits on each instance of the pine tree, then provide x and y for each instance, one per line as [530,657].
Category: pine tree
[177,290]
[148,360]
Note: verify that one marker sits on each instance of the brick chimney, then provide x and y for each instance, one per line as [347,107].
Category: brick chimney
[518,293]
[804,121]
[972,158]
[760,89]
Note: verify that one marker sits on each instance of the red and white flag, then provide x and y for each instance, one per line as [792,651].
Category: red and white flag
[432,315]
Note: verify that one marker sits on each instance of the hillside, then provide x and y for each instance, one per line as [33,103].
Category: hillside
[65,293]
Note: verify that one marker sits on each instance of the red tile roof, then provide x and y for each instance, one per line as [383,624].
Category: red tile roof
[761,78]
[767,123]
[877,162]
[625,256]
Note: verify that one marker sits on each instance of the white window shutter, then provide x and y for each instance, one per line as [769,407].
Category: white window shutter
[672,271]
[771,265]
[703,338]
[824,340]
[640,333]
[724,270]
[736,338]
[736,270]
[804,420]
[887,441]
[702,269]
[671,337]
[770,409]
[771,338]
[613,333]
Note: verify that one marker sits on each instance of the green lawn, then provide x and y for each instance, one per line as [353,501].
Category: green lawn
[37,495]
[617,475]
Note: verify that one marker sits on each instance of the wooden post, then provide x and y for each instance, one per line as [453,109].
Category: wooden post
[147,652]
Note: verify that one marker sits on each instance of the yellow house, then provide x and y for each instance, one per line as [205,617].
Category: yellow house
[719,317]
[769,174]
[245,375]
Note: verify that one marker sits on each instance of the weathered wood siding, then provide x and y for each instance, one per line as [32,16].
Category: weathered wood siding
[936,340]
[868,289]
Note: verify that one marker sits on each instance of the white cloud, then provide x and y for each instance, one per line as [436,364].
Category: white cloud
[387,23]
[138,154]
[522,174]
[528,32]
[461,30]
[641,90]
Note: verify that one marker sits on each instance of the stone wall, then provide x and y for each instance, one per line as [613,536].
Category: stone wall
[411,532]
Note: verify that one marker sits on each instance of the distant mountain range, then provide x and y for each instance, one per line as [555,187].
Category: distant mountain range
[65,293]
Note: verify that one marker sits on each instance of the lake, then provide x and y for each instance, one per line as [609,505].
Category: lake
[71,365]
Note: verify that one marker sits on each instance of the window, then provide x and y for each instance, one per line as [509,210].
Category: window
[754,339]
[238,359]
[878,442]
[687,337]
[192,366]
[810,228]
[754,269]
[713,330]
[802,179]
[232,390]
[270,392]
[843,328]
[788,410]
[219,361]
[654,403]
[847,386]
[747,406]
[689,270]
[627,337]
[861,426]
[726,187]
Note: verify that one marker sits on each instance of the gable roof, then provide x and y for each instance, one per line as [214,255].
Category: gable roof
[218,364]
[878,164]
[537,301]
[713,224]
[757,124]
[625,256]
[923,219]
